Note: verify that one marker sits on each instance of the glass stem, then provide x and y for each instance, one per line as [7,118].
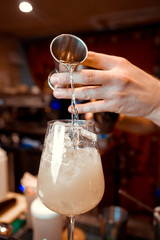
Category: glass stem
[71,221]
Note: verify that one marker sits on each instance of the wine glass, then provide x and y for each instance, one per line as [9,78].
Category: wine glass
[70,178]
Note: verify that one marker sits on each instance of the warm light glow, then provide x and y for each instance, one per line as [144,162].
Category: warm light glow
[3,229]
[25,7]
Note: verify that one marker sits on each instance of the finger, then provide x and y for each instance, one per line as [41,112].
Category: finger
[93,77]
[80,93]
[92,107]
[101,61]
[89,93]
[93,92]
[85,77]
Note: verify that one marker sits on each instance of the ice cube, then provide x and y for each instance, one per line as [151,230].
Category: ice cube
[90,135]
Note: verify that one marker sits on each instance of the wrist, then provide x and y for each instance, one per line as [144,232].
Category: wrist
[155,116]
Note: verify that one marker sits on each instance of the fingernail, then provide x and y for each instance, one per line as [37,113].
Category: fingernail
[54,79]
[57,93]
[70,109]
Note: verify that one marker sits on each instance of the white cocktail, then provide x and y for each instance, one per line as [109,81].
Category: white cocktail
[70,179]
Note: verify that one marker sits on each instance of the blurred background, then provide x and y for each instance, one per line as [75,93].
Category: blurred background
[131,29]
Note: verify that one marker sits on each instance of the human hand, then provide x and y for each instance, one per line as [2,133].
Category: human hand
[117,86]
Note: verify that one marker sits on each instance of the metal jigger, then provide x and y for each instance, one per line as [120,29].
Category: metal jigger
[67,49]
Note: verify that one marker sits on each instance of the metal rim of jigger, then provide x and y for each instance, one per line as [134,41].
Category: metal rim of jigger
[70,35]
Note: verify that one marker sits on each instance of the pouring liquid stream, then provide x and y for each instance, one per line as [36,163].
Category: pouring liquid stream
[74,115]
[73,99]
[71,67]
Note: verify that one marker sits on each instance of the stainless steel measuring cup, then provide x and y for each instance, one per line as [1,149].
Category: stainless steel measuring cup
[67,49]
